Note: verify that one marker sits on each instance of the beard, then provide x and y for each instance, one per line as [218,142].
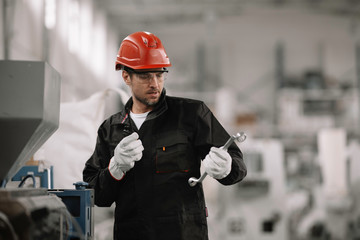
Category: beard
[146,101]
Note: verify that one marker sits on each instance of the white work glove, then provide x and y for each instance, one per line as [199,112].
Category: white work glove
[217,163]
[126,153]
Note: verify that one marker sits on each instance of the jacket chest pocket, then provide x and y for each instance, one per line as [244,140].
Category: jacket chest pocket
[173,153]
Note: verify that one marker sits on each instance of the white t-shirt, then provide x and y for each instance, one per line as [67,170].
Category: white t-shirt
[138,118]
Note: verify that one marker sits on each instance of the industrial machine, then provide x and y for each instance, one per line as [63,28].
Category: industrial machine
[79,203]
[29,115]
[256,207]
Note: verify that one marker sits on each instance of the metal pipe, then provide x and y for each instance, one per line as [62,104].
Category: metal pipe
[8,12]
[5,30]
[357,65]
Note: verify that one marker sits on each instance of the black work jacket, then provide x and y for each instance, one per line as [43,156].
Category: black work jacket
[153,199]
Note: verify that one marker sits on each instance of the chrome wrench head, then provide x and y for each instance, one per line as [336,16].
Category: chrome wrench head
[240,137]
[193,181]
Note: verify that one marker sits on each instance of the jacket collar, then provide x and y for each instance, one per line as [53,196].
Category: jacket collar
[159,108]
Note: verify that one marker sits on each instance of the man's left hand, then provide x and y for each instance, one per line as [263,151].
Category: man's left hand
[217,163]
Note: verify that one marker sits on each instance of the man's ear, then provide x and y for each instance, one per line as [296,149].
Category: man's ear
[126,77]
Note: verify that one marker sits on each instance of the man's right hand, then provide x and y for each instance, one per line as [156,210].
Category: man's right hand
[126,153]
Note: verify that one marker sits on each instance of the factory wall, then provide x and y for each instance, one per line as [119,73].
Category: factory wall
[236,52]
[73,36]
[240,54]
[246,44]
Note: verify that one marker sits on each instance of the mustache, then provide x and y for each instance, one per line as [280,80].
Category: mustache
[154,90]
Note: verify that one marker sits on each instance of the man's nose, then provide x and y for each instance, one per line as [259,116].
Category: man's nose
[153,80]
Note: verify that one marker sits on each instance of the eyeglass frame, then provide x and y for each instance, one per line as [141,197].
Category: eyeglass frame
[130,70]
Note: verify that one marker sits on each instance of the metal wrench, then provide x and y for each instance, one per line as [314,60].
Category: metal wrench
[240,137]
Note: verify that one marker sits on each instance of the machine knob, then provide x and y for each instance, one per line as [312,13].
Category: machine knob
[80,185]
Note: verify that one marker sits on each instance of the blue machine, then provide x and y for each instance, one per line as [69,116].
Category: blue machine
[45,175]
[80,203]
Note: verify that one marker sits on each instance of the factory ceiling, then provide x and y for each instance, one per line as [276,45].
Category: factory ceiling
[130,13]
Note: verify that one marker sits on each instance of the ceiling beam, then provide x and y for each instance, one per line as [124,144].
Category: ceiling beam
[155,12]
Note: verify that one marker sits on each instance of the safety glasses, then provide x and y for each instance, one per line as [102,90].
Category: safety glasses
[147,76]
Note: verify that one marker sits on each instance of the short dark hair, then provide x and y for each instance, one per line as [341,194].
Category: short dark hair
[130,71]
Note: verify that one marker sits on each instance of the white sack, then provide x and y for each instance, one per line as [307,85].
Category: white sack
[72,144]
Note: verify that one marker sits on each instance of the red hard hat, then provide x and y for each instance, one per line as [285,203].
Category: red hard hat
[141,50]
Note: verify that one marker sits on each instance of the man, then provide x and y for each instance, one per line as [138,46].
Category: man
[146,153]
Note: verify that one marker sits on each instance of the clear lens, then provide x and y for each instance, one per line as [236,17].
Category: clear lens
[147,76]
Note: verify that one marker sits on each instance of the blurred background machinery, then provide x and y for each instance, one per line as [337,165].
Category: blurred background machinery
[256,209]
